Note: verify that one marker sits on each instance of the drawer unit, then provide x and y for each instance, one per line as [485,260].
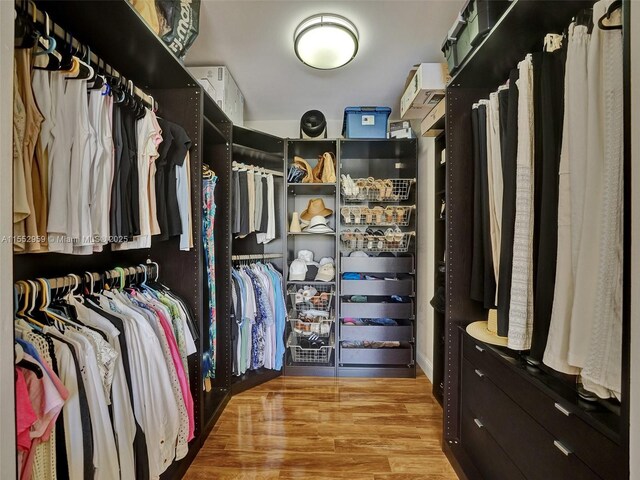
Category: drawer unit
[377,264]
[396,311]
[400,333]
[377,287]
[488,457]
[377,356]
[556,416]
[535,451]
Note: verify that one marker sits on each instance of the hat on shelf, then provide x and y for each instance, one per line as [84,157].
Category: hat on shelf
[326,260]
[297,270]
[295,223]
[315,207]
[312,271]
[326,273]
[358,253]
[487,331]
[318,224]
[306,256]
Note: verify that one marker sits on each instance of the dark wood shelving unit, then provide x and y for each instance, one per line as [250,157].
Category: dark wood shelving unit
[439,247]
[505,380]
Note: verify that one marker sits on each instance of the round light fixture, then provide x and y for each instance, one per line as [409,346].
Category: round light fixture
[326,41]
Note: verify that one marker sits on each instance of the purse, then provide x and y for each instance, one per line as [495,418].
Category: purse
[329,168]
[304,165]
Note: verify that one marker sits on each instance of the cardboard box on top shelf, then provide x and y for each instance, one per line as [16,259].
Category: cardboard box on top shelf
[218,82]
[433,123]
[424,90]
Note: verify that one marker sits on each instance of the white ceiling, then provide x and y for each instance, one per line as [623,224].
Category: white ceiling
[254,38]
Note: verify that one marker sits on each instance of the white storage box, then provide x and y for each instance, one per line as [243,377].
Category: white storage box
[219,83]
[433,123]
[424,91]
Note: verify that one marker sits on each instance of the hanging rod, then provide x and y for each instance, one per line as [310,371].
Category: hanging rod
[275,173]
[256,256]
[69,280]
[41,18]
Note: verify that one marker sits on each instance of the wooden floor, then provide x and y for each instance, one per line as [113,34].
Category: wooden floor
[317,428]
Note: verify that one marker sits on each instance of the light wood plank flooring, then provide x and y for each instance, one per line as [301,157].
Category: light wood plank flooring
[317,428]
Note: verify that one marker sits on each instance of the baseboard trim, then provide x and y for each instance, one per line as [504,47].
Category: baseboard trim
[426,365]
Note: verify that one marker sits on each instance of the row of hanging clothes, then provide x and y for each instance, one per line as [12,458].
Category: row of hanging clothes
[260,313]
[253,202]
[101,376]
[548,203]
[93,164]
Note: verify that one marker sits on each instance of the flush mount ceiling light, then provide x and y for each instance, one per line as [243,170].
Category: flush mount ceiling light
[326,41]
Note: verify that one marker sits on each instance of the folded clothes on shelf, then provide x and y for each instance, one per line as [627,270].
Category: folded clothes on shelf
[368,344]
[386,322]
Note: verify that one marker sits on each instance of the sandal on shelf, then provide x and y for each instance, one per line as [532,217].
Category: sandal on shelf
[400,214]
[368,215]
[357,213]
[378,215]
[388,215]
[389,189]
[346,214]
[363,188]
[346,186]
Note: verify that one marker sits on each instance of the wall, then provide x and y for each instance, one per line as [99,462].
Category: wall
[634,401]
[7,405]
[426,213]
[291,128]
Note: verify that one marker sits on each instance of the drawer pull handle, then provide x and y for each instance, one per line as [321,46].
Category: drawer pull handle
[562,409]
[479,373]
[479,348]
[562,448]
[478,423]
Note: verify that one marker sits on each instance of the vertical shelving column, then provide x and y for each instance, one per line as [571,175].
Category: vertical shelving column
[439,265]
[378,223]
[311,298]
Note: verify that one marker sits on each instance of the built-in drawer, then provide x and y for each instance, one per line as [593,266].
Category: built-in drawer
[377,356]
[399,333]
[532,448]
[377,264]
[488,457]
[377,287]
[376,310]
[556,416]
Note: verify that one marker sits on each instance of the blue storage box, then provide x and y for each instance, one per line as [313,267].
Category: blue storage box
[366,122]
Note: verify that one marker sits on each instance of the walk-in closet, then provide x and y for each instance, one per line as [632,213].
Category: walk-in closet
[277,239]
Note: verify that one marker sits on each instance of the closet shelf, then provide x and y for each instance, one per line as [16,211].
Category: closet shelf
[314,189]
[308,234]
[213,133]
[491,62]
[255,154]
[140,55]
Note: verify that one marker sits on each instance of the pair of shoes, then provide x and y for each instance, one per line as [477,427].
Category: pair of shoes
[349,187]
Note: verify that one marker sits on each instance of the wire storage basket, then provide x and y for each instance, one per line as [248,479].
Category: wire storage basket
[302,354]
[395,242]
[390,216]
[377,190]
[302,328]
[302,301]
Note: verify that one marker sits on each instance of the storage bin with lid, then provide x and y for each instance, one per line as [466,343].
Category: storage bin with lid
[366,122]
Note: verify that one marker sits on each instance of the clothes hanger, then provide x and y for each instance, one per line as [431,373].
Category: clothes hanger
[25,34]
[585,18]
[616,5]
[84,70]
[22,362]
